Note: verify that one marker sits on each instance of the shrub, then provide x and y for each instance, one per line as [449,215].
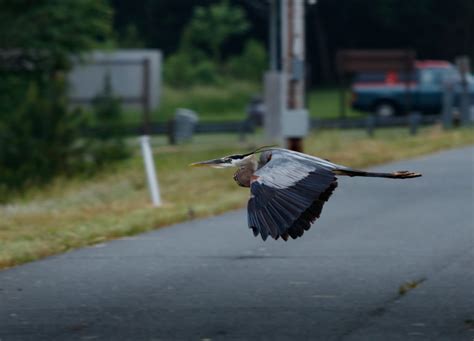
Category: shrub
[38,138]
[211,26]
[199,58]
[39,134]
[107,144]
[251,64]
[185,69]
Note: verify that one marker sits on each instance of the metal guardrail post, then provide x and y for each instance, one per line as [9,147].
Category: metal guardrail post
[414,120]
[463,64]
[447,116]
[464,104]
[370,125]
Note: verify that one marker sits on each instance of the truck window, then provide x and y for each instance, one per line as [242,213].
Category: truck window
[437,75]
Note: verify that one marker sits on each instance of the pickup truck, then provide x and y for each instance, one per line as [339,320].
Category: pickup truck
[391,93]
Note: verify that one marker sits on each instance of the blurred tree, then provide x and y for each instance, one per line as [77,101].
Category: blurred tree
[199,56]
[108,143]
[54,27]
[434,28]
[39,133]
[251,63]
[161,23]
[187,69]
[211,26]
[130,39]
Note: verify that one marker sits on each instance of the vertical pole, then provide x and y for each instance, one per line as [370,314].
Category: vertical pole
[414,119]
[150,171]
[340,62]
[447,104]
[464,105]
[408,61]
[370,122]
[293,59]
[342,96]
[273,35]
[146,97]
[274,80]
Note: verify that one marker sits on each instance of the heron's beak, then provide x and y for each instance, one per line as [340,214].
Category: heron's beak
[208,163]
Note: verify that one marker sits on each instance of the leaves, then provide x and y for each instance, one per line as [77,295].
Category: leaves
[59,28]
[39,133]
[211,26]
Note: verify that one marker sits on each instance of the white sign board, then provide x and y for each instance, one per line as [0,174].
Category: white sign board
[135,76]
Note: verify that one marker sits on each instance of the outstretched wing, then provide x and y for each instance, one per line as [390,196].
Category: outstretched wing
[288,194]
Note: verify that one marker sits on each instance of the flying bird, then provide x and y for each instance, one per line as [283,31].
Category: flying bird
[288,189]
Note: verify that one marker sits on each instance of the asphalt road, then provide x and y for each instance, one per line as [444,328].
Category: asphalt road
[211,279]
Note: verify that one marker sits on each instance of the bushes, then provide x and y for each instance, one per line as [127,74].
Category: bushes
[107,144]
[251,64]
[183,69]
[199,59]
[39,134]
[38,137]
[42,138]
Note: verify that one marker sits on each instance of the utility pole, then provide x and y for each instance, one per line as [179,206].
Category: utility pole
[293,41]
[286,120]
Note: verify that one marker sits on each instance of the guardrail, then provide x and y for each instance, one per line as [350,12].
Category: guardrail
[364,122]
[370,123]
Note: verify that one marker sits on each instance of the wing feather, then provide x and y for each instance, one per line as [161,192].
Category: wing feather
[289,194]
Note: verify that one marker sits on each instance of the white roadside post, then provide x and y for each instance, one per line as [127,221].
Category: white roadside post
[150,171]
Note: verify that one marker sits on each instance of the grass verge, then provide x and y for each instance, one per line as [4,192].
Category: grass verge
[71,213]
[228,102]
[325,103]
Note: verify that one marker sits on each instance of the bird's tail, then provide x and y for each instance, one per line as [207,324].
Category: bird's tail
[394,175]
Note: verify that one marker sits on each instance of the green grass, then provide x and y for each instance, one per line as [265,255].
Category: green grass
[71,213]
[228,101]
[225,102]
[325,103]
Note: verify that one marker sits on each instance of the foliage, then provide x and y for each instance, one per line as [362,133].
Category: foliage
[38,139]
[211,26]
[39,134]
[223,102]
[251,64]
[185,69]
[199,57]
[130,39]
[55,28]
[107,144]
[436,29]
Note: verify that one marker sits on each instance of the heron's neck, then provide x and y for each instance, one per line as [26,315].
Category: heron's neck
[249,163]
[243,175]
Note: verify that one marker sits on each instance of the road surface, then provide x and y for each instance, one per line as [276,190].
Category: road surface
[210,279]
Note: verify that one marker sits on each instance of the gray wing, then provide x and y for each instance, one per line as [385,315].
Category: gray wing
[288,194]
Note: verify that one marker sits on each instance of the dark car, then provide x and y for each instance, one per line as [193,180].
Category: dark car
[393,93]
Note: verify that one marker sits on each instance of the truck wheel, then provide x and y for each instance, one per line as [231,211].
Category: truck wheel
[385,109]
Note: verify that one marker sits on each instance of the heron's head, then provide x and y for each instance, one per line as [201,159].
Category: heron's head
[236,160]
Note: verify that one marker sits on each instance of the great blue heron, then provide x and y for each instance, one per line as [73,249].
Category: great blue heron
[288,189]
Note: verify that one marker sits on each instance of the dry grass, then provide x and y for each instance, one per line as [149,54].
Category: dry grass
[76,212]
